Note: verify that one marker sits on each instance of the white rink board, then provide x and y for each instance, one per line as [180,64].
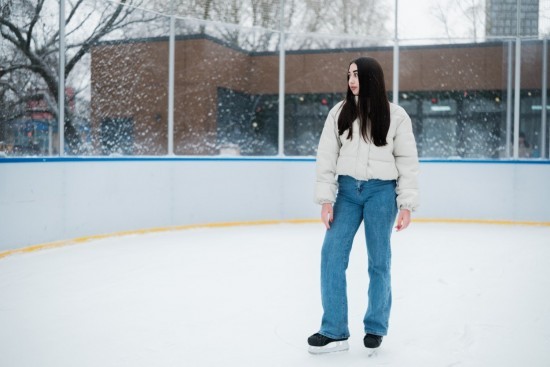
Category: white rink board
[50,200]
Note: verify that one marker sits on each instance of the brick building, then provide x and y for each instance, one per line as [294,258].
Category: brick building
[225,96]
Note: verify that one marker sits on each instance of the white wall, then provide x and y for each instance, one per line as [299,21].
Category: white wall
[45,200]
[486,190]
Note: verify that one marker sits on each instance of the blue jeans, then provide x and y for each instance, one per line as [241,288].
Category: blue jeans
[373,202]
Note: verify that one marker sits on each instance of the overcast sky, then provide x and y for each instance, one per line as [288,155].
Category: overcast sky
[417,20]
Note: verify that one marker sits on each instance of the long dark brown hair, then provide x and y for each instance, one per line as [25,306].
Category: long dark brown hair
[372,107]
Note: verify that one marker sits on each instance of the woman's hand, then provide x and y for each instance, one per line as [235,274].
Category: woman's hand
[326,214]
[403,219]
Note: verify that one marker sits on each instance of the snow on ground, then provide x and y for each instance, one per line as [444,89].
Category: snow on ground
[464,295]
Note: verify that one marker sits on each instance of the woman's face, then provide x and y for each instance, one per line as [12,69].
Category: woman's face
[353,79]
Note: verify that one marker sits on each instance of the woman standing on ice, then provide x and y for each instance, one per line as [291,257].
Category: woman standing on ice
[367,153]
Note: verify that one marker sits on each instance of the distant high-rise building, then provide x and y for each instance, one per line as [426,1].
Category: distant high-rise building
[501,18]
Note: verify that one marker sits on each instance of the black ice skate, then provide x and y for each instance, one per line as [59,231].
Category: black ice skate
[319,344]
[372,341]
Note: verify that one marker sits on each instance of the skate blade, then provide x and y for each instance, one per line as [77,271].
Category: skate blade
[371,352]
[333,347]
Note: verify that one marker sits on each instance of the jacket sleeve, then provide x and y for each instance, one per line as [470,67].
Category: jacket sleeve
[406,161]
[327,157]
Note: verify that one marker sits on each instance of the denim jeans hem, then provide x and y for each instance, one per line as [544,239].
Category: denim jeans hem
[333,336]
[376,332]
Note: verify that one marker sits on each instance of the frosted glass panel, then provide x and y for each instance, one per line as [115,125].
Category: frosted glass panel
[456,75]
[126,81]
[226,91]
[29,83]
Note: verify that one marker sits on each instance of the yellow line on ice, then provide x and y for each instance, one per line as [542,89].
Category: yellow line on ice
[483,221]
[78,240]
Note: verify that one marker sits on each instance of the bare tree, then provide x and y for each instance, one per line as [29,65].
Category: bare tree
[544,20]
[31,46]
[363,20]
[461,18]
[473,10]
[441,12]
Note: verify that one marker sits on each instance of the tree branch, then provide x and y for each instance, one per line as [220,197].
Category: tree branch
[19,40]
[37,11]
[55,37]
[92,40]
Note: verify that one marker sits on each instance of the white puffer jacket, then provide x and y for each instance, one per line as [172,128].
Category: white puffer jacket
[397,160]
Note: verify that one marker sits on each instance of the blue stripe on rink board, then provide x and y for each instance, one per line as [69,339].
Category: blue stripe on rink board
[154,159]
[7,160]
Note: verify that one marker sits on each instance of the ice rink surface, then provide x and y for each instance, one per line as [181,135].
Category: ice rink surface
[464,295]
